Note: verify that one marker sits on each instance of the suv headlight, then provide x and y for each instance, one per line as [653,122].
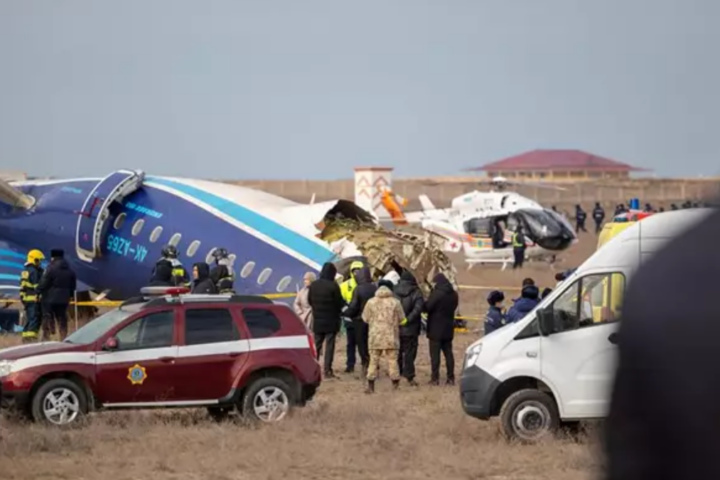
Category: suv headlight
[5,368]
[472,354]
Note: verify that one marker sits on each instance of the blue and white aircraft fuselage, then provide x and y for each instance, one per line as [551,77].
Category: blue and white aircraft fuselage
[273,241]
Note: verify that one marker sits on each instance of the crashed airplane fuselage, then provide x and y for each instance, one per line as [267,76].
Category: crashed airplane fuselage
[112,230]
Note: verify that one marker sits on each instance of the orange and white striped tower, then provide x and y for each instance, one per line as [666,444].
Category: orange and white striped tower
[369,185]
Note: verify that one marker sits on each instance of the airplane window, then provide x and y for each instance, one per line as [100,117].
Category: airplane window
[247,269]
[209,259]
[137,227]
[264,275]
[193,248]
[175,239]
[119,221]
[283,283]
[155,235]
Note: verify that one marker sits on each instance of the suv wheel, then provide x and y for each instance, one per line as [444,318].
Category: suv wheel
[267,399]
[59,402]
[529,415]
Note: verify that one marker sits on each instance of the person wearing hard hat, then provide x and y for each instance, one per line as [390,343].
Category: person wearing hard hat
[29,280]
[179,275]
[222,272]
[346,289]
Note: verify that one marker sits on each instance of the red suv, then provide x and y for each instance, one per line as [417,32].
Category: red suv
[229,353]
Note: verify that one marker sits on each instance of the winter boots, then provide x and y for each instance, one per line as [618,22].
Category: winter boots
[370,387]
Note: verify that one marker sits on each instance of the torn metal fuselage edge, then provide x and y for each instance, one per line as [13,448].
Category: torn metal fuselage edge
[386,250]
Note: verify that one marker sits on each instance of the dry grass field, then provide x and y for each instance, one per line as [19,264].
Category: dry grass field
[343,434]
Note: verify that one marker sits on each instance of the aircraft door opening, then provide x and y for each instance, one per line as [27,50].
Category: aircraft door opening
[96,210]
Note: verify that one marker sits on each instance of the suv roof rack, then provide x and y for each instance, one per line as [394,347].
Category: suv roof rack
[250,299]
[155,296]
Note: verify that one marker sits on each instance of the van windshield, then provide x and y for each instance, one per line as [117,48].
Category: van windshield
[97,327]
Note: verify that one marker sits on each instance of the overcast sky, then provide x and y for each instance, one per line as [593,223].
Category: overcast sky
[310,89]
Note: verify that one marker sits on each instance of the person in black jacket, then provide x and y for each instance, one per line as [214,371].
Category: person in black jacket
[664,408]
[57,287]
[440,307]
[598,214]
[412,301]
[327,304]
[162,274]
[364,291]
[202,283]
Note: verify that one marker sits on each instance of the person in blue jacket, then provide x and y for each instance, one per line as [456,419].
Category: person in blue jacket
[495,318]
[529,298]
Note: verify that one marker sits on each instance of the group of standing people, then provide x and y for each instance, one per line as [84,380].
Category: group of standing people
[170,272]
[497,316]
[383,322]
[46,294]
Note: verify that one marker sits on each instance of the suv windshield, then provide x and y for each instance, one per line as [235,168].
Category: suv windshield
[97,327]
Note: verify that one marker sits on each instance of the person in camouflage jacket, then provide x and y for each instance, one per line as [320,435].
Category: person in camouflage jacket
[384,315]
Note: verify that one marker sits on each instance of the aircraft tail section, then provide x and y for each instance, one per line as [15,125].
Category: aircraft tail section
[426,203]
[12,196]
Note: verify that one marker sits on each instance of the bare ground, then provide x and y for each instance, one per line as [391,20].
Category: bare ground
[344,434]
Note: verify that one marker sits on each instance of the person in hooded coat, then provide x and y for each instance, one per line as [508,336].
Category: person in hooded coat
[364,291]
[529,298]
[56,288]
[162,274]
[301,305]
[327,304]
[384,315]
[412,301]
[202,283]
[441,305]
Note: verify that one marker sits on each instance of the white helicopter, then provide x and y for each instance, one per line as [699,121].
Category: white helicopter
[481,224]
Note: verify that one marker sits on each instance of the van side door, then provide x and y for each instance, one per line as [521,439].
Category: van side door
[580,355]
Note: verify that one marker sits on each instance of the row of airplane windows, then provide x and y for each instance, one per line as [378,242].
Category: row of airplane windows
[194,246]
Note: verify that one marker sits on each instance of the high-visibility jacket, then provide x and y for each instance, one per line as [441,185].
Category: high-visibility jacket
[347,288]
[518,240]
[29,280]
[180,276]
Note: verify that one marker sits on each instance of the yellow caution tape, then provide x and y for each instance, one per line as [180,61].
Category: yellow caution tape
[479,287]
[116,303]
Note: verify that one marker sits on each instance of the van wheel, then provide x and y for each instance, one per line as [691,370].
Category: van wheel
[529,415]
[267,399]
[59,402]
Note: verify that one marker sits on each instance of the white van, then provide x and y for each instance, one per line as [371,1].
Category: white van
[556,365]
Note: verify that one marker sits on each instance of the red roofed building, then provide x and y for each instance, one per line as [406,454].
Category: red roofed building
[558,165]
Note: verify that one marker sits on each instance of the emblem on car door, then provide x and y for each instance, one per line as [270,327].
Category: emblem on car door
[137,374]
[531,354]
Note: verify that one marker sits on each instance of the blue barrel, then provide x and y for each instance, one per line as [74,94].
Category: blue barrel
[635,204]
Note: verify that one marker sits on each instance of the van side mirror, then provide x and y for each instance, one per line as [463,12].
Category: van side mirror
[546,321]
[110,344]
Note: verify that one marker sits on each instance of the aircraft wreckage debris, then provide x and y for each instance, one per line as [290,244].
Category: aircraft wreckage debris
[385,249]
